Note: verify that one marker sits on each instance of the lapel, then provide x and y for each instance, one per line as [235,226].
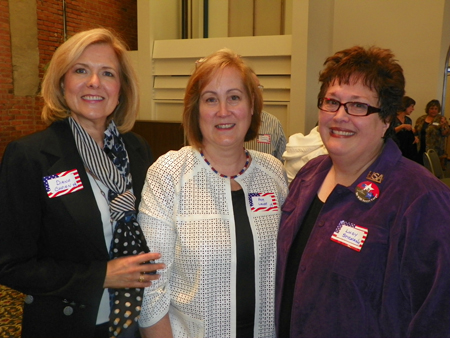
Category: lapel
[301,193]
[62,155]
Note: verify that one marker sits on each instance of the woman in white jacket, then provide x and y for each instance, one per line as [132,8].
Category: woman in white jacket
[212,210]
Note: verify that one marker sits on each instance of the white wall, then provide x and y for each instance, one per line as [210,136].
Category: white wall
[157,19]
[417,31]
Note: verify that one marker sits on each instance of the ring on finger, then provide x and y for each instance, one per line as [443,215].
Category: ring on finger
[141,279]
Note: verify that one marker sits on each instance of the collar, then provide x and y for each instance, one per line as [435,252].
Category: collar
[316,169]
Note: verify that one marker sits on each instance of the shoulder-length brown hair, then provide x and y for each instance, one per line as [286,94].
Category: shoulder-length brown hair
[55,105]
[206,69]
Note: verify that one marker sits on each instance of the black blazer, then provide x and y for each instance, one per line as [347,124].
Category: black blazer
[53,249]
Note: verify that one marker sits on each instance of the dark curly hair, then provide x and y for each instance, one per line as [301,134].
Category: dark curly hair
[376,68]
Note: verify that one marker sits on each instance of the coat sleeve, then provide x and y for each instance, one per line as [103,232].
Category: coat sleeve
[425,265]
[156,219]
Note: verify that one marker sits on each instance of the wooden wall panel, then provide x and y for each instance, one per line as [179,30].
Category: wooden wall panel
[161,136]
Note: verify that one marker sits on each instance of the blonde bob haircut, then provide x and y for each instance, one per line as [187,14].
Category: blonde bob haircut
[206,69]
[55,105]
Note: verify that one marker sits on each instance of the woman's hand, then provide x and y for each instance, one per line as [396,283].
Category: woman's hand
[404,126]
[407,126]
[131,271]
[444,126]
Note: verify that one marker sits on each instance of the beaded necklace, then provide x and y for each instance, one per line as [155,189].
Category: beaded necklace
[247,163]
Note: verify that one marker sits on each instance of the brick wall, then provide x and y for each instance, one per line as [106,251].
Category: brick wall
[20,116]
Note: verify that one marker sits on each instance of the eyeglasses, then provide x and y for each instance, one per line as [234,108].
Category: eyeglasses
[351,108]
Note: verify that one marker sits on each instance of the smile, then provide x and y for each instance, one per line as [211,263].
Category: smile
[342,133]
[225,126]
[92,98]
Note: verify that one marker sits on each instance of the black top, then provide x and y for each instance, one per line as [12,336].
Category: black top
[245,281]
[292,264]
[405,139]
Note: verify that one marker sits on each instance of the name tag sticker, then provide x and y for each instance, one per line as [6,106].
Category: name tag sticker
[62,183]
[350,235]
[264,138]
[263,202]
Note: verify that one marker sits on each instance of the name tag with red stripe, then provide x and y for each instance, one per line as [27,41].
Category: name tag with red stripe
[350,235]
[262,202]
[63,183]
[264,138]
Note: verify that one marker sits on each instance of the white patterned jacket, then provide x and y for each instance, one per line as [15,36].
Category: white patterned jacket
[186,214]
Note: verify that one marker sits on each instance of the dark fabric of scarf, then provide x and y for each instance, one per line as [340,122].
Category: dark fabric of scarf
[111,166]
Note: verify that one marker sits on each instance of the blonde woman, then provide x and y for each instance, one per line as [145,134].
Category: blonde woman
[69,196]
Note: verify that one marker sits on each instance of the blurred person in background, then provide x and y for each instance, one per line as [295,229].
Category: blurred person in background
[431,130]
[270,138]
[404,131]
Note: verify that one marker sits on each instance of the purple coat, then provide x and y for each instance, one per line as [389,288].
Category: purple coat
[398,285]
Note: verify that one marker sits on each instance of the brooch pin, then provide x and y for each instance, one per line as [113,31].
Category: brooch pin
[367,192]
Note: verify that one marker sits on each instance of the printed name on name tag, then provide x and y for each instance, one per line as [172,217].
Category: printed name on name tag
[263,202]
[62,183]
[350,235]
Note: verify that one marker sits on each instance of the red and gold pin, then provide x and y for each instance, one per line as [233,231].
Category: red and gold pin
[367,191]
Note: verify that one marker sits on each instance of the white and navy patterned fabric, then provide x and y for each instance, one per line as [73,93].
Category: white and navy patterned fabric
[271,138]
[112,167]
[186,214]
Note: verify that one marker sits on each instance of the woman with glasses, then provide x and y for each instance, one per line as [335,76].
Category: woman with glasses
[363,246]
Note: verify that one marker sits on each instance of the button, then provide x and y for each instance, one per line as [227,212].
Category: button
[68,310]
[321,223]
[29,299]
